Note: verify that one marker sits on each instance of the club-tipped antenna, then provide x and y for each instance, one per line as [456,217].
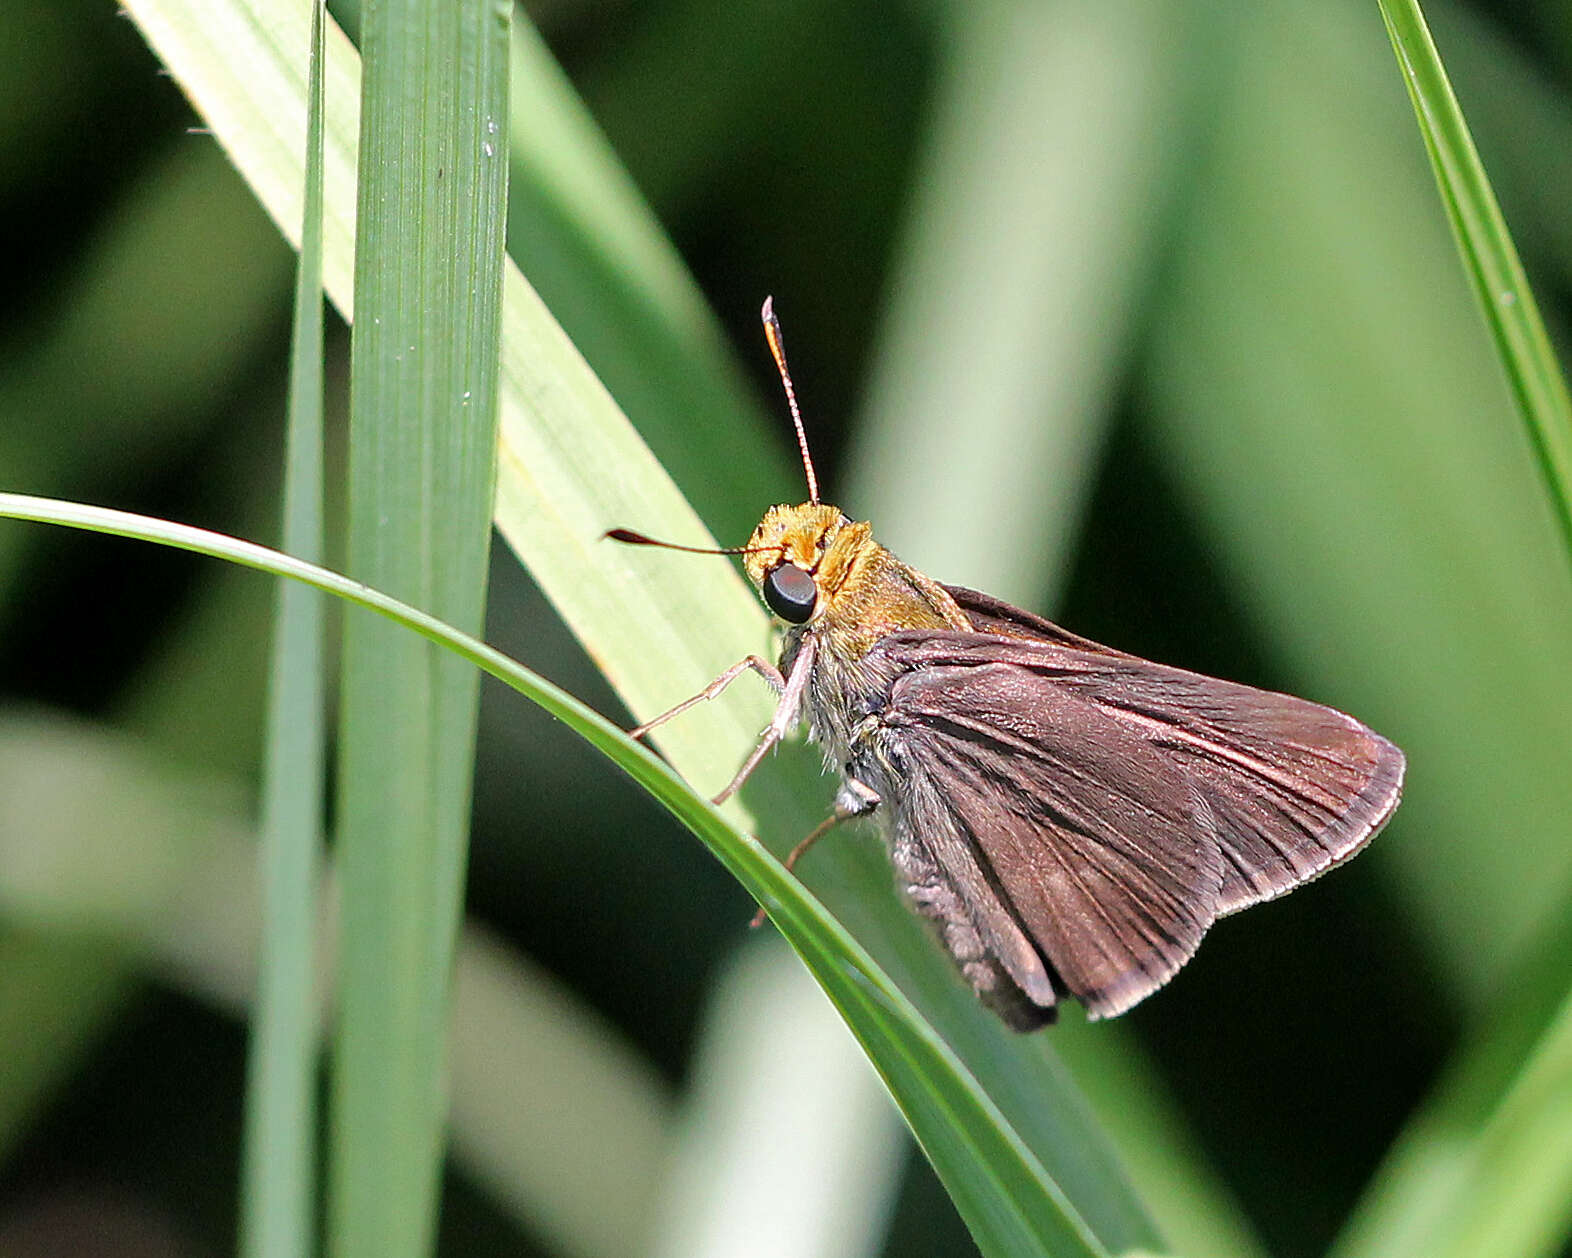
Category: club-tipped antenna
[772,334]
[632,538]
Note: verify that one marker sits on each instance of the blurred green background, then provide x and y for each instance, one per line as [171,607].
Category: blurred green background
[1142,314]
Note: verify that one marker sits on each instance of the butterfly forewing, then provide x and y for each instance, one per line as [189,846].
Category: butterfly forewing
[1122,804]
[1294,787]
[994,616]
[1297,788]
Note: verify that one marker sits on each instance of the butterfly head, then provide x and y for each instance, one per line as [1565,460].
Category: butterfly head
[801,557]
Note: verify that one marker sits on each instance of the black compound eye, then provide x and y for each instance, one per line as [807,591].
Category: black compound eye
[790,593]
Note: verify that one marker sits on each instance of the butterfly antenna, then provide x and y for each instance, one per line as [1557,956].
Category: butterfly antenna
[772,334]
[634,538]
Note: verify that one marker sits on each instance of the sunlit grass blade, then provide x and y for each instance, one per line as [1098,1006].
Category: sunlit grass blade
[598,258]
[278,1179]
[422,440]
[1489,256]
[1000,1187]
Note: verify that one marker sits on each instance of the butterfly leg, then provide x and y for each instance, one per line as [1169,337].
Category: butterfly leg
[762,667]
[781,723]
[855,799]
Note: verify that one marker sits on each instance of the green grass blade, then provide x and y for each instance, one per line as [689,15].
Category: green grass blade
[999,1186]
[428,274]
[1489,256]
[599,260]
[578,471]
[278,1177]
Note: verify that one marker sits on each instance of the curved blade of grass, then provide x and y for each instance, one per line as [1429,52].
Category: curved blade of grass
[1489,256]
[1001,1189]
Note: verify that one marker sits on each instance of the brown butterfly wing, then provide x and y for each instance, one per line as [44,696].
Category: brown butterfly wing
[995,616]
[1294,787]
[1088,837]
[1121,805]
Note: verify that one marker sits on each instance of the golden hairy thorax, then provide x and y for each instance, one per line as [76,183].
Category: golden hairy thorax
[864,591]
